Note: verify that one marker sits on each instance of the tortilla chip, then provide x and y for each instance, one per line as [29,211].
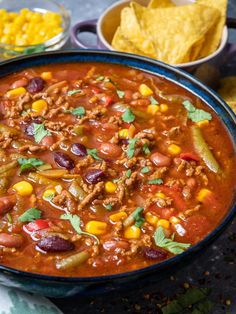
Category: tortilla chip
[174,31]
[153,4]
[227,91]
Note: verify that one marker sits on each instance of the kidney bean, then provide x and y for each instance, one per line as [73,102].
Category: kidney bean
[20,83]
[55,244]
[152,253]
[63,160]
[11,240]
[7,203]
[79,149]
[110,149]
[94,176]
[160,160]
[35,85]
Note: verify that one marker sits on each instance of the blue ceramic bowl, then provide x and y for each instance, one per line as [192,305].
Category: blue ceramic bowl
[62,286]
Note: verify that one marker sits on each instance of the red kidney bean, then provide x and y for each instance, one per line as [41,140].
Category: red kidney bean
[35,85]
[160,160]
[63,160]
[11,240]
[79,150]
[55,244]
[94,176]
[152,253]
[7,203]
[20,83]
[110,149]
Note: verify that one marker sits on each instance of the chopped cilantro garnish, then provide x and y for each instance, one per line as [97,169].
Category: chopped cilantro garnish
[30,215]
[168,244]
[29,163]
[108,206]
[128,116]
[146,149]
[153,101]
[74,91]
[78,111]
[120,93]
[131,147]
[128,173]
[145,170]
[76,222]
[155,181]
[138,216]
[93,152]
[40,132]
[194,114]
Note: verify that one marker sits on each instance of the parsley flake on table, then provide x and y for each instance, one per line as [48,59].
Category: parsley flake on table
[155,181]
[145,170]
[76,224]
[153,100]
[167,243]
[120,93]
[194,114]
[128,173]
[29,163]
[78,111]
[128,116]
[30,215]
[40,132]
[93,152]
[74,91]
[131,147]
[138,216]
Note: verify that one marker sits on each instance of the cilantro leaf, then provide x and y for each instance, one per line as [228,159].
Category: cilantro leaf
[128,116]
[120,93]
[108,206]
[76,222]
[145,170]
[93,152]
[74,91]
[194,114]
[30,215]
[131,147]
[169,244]
[155,181]
[40,132]
[78,111]
[128,173]
[153,100]
[29,163]
[138,216]
[146,149]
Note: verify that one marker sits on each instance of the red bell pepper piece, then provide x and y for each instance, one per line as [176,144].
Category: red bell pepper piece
[108,100]
[36,225]
[189,156]
[96,90]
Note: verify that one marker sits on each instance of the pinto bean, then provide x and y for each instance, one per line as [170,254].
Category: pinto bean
[113,245]
[7,203]
[160,160]
[20,83]
[55,244]
[110,149]
[11,240]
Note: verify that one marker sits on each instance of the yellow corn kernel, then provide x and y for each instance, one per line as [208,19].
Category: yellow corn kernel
[160,195]
[23,188]
[202,194]
[132,232]
[118,216]
[145,90]
[174,220]
[174,149]
[110,187]
[16,92]
[163,223]
[152,219]
[48,194]
[46,75]
[124,133]
[202,123]
[163,107]
[152,109]
[96,227]
[39,105]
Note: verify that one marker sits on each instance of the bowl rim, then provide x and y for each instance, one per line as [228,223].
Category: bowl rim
[186,81]
[223,42]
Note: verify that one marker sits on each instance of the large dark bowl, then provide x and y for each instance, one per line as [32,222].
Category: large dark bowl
[63,286]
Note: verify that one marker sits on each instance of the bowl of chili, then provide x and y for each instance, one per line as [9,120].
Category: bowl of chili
[113,166]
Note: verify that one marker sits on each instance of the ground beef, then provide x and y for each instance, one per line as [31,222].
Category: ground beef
[91,196]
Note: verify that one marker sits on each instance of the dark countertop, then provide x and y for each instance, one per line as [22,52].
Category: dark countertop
[215,269]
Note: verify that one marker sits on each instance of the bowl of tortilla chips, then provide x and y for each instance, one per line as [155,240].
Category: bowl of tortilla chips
[182,33]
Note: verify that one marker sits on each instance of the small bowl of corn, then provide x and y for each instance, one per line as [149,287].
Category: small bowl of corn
[30,26]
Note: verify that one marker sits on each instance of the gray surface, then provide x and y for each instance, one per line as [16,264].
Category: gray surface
[215,269]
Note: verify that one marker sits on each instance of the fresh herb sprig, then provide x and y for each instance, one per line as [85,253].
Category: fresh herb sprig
[29,163]
[40,132]
[194,114]
[30,215]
